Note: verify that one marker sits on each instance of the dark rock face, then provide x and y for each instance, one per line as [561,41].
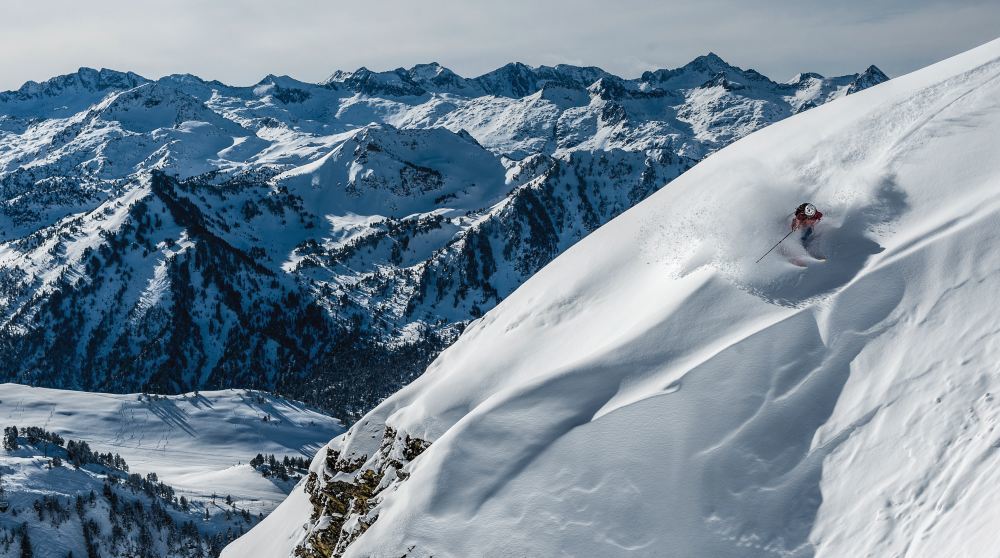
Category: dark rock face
[348,506]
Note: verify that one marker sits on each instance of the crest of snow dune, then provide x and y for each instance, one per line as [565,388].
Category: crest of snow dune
[653,391]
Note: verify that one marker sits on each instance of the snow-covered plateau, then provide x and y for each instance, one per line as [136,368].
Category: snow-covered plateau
[324,241]
[98,474]
[655,392]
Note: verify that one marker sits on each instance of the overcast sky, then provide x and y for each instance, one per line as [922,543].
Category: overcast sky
[239,42]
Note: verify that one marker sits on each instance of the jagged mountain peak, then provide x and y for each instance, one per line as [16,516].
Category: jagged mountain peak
[284,81]
[437,78]
[703,69]
[339,75]
[804,77]
[342,76]
[271,78]
[868,78]
[710,60]
[517,79]
[184,79]
[512,67]
[875,71]
[88,78]
[393,82]
[581,76]
[514,79]
[83,81]
[429,69]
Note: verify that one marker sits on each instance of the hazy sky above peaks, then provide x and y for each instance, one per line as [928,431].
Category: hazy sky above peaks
[239,42]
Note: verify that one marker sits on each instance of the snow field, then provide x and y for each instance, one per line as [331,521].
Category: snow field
[199,444]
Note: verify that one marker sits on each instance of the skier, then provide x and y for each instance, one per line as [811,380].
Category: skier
[806,215]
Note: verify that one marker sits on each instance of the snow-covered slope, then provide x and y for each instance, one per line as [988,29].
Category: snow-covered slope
[654,392]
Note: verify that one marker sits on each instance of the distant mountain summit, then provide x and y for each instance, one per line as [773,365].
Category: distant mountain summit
[86,79]
[324,240]
[870,77]
[517,80]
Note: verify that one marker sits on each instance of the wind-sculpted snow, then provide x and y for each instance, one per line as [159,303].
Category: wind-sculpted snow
[323,240]
[655,392]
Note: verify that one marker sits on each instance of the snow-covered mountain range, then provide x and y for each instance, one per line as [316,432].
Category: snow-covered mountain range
[655,392]
[96,474]
[324,240]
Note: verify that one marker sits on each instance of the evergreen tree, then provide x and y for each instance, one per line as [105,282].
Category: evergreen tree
[26,550]
[257,461]
[10,438]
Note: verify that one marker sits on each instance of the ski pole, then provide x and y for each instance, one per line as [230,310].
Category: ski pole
[775,246]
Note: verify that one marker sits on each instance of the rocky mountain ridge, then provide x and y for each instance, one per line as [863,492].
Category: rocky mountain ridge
[323,240]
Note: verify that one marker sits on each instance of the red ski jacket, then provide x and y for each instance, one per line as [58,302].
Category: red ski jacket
[803,221]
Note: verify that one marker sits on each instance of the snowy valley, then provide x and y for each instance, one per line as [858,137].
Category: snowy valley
[653,391]
[324,241]
[103,475]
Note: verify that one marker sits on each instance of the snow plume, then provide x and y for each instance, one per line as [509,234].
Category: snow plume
[729,230]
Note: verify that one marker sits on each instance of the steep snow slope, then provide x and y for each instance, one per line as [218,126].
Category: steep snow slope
[655,392]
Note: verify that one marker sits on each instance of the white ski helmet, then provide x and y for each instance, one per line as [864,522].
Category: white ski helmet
[809,210]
